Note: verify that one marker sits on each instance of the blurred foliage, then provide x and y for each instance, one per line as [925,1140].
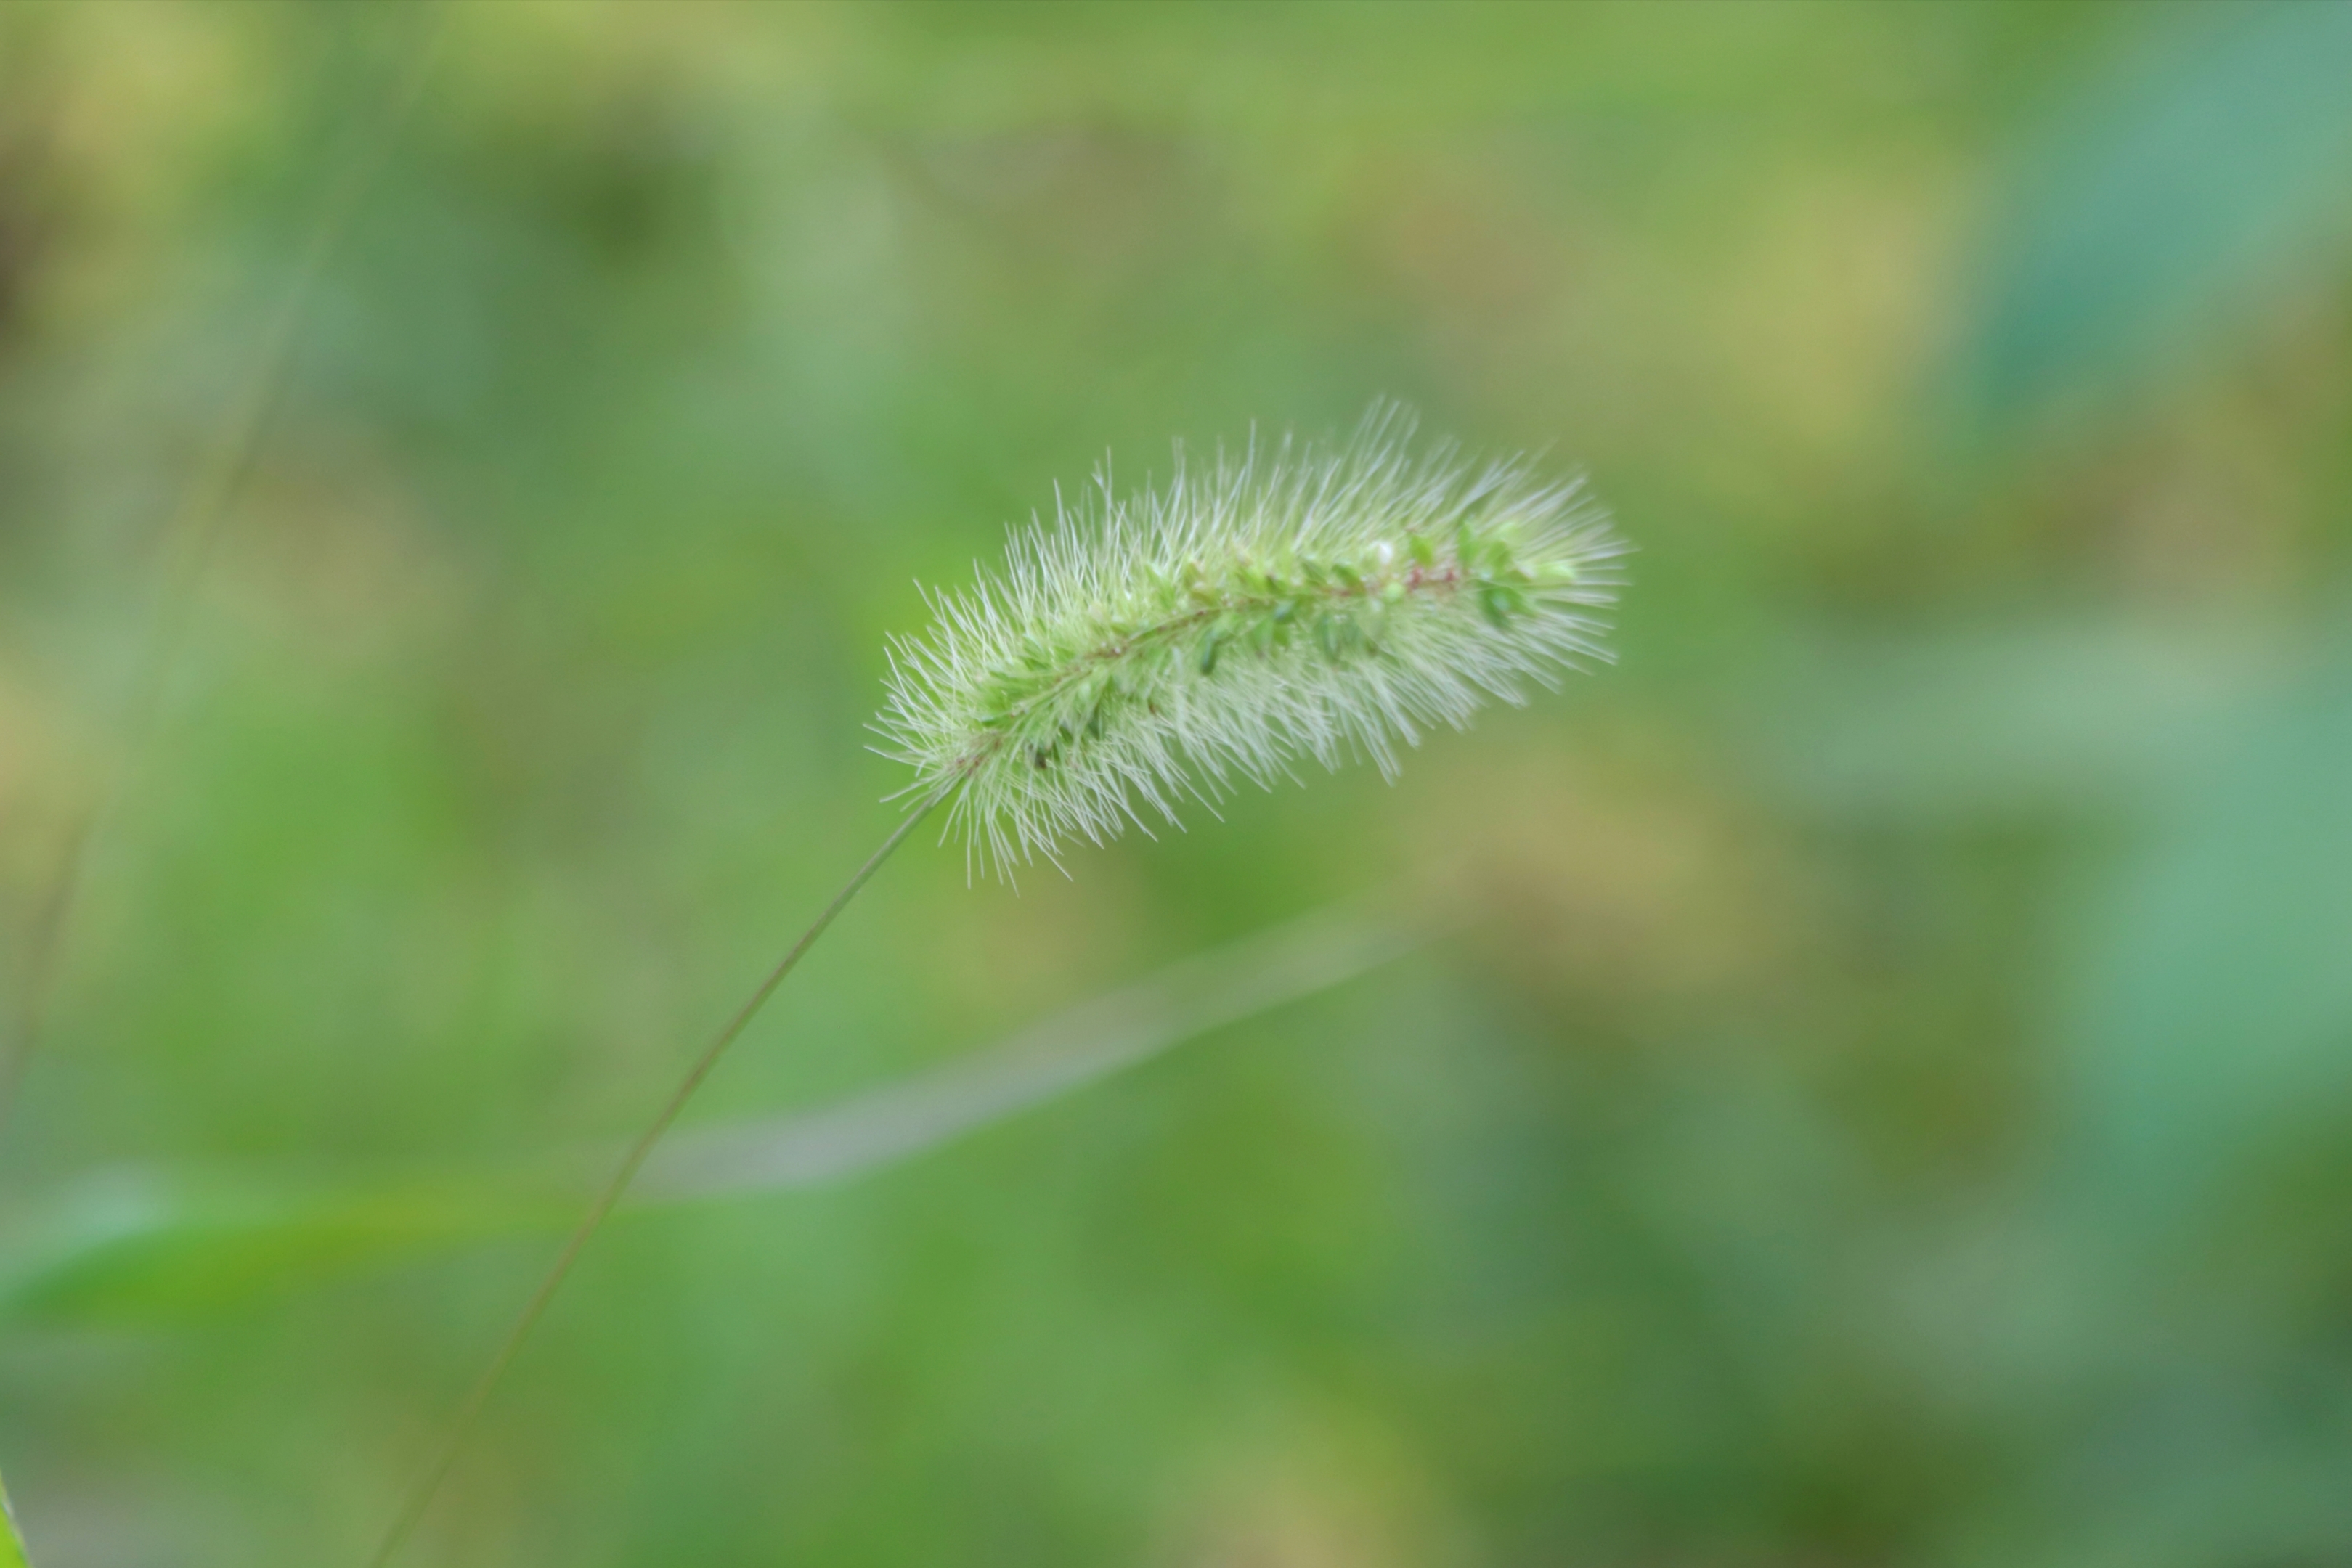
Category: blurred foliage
[1892,1112]
[2171,197]
[12,1545]
[133,1247]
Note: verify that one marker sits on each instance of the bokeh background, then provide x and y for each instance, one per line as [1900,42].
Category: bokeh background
[1893,1106]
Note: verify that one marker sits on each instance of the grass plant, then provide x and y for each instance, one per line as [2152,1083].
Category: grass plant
[1328,600]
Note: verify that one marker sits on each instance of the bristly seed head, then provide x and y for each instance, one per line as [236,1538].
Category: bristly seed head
[1326,601]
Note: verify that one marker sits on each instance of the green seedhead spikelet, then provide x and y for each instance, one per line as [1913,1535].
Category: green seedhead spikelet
[1302,600]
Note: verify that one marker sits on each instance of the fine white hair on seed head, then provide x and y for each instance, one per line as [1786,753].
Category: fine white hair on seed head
[1327,601]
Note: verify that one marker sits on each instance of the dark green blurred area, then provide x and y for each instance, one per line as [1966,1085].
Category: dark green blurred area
[1896,1110]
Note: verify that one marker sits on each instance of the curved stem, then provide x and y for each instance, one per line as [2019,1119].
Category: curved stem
[469,1410]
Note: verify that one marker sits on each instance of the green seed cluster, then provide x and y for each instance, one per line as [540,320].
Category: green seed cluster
[1338,607]
[1325,604]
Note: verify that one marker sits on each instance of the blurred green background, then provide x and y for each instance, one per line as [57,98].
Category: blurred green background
[1895,1107]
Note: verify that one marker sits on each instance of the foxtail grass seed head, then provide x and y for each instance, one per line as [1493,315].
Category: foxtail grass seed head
[1297,601]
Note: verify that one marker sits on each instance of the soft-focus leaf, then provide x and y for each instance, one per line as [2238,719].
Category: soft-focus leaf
[2207,163]
[2211,1013]
[127,1248]
[2019,719]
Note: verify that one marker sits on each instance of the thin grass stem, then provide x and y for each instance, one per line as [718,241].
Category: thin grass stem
[469,1410]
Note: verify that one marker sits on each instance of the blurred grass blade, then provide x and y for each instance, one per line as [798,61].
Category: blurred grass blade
[2014,719]
[1088,1042]
[12,1544]
[2197,171]
[185,544]
[129,1247]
